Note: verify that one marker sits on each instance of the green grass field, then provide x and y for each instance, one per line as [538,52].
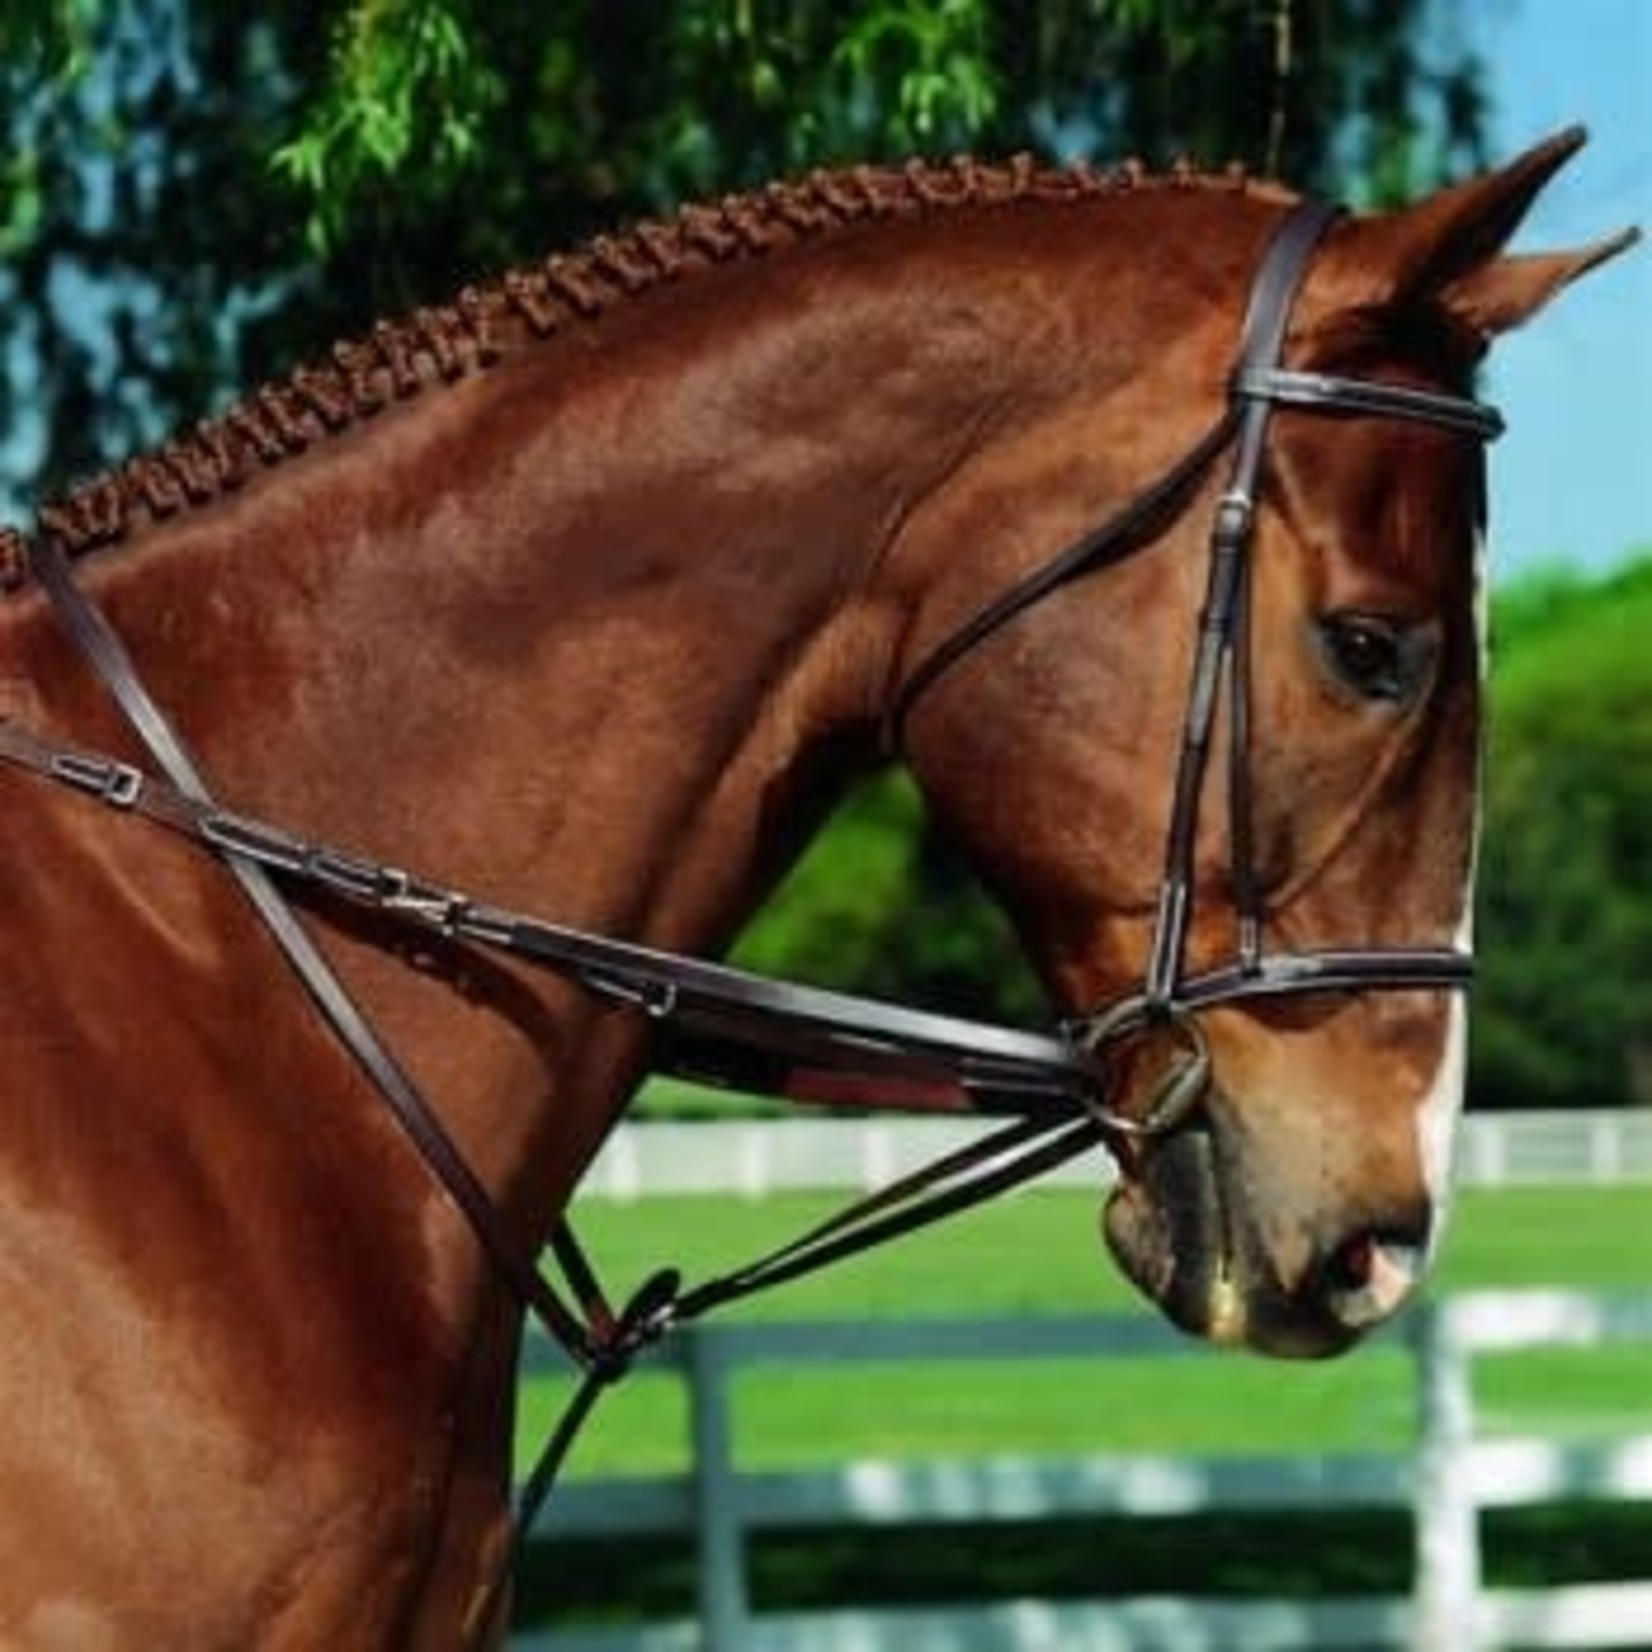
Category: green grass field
[1039,1254]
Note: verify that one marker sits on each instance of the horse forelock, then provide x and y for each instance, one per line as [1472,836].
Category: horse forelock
[443,344]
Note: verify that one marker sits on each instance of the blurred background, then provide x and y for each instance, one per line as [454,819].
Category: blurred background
[197,196]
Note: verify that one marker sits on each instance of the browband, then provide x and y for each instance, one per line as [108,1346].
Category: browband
[1331,393]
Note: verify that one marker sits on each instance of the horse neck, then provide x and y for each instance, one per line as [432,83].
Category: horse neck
[591,631]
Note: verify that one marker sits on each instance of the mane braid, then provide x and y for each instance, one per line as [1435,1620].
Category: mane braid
[443,344]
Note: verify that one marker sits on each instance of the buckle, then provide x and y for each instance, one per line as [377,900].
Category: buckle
[1175,1091]
[1235,511]
[117,784]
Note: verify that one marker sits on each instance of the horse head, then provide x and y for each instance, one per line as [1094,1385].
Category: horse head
[1296,1197]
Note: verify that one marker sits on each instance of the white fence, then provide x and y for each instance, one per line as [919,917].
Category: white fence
[1449,1476]
[758,1157]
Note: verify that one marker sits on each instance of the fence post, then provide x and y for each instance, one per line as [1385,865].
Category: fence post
[719,1541]
[1446,1589]
[1605,1150]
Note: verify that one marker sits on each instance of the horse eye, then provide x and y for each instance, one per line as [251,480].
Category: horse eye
[1377,657]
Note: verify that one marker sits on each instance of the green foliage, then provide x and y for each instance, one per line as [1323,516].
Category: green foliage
[409,95]
[1565,1011]
[143,258]
[879,905]
[832,919]
[44,41]
[648,104]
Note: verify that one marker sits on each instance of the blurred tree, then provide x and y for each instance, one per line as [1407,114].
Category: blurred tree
[146,253]
[1563,1014]
[880,904]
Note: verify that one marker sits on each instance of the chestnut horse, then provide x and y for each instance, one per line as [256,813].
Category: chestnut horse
[591,591]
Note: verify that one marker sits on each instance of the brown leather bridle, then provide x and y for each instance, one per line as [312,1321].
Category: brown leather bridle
[1169,997]
[727,1026]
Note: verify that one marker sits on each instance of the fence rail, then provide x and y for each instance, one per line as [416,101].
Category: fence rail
[1449,1476]
[762,1156]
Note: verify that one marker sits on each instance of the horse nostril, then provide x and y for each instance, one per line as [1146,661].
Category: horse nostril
[1366,1277]
[1351,1264]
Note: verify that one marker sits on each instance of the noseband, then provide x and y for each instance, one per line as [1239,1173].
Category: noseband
[727,1026]
[1169,996]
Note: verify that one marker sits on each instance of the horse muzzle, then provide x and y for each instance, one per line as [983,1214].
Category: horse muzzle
[1195,1232]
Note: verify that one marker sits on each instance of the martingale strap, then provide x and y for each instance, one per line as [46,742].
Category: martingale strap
[709,1022]
[738,1027]
[124,787]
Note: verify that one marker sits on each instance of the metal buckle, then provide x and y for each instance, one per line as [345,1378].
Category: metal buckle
[117,784]
[657,999]
[442,909]
[1135,1020]
[1235,512]
[352,877]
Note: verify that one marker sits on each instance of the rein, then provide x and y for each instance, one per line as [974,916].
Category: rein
[709,1022]
[725,1026]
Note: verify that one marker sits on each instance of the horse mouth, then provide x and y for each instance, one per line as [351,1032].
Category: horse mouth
[1177,1228]
[1164,1224]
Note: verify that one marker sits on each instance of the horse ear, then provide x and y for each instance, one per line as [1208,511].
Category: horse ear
[1501,294]
[1446,249]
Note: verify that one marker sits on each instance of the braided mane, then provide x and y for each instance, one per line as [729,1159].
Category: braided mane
[446,343]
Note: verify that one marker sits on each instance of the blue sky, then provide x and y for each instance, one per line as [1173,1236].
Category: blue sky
[1572,479]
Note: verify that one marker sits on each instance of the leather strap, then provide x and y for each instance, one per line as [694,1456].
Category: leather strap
[108,655]
[1331,393]
[1052,1086]
[1220,656]
[709,1022]
[1134,525]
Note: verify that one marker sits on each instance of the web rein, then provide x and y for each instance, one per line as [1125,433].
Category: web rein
[733,1028]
